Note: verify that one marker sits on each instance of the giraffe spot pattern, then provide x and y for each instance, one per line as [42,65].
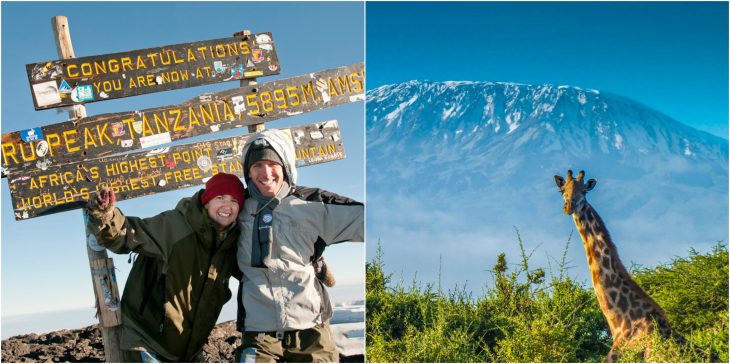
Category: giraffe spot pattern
[623,304]
[628,310]
[606,262]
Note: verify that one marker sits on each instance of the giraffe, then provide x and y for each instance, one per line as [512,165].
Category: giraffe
[631,313]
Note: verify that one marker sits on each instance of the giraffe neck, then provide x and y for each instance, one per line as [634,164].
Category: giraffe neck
[623,302]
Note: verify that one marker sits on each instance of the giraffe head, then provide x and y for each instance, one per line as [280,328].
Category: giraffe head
[574,191]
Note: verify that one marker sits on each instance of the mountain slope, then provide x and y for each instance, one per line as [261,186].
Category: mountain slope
[452,166]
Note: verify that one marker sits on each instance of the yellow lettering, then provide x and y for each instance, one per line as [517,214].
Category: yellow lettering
[308,90]
[129,122]
[86,69]
[140,62]
[163,61]
[191,56]
[101,132]
[208,113]
[53,141]
[177,113]
[279,96]
[126,63]
[161,124]
[69,137]
[100,67]
[333,88]
[9,152]
[220,50]
[73,73]
[266,101]
[88,139]
[54,180]
[94,172]
[232,48]
[357,79]
[27,158]
[174,57]
[228,111]
[151,56]
[193,117]
[291,93]
[255,102]
[202,51]
[147,127]
[344,83]
[244,47]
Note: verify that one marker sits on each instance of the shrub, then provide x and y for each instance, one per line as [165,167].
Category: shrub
[528,315]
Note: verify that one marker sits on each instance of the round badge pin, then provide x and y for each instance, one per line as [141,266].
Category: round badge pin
[204,163]
[42,148]
[267,218]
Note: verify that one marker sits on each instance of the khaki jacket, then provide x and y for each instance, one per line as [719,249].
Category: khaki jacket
[178,283]
[287,295]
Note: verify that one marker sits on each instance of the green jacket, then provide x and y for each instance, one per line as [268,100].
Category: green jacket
[178,283]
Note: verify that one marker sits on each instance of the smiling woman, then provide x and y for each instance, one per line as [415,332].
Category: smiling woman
[182,272]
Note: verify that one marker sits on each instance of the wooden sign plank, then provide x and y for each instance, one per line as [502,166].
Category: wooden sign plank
[66,187]
[110,76]
[108,134]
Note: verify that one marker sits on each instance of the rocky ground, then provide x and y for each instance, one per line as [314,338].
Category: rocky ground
[85,345]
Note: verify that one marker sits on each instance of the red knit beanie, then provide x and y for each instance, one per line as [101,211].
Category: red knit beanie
[223,184]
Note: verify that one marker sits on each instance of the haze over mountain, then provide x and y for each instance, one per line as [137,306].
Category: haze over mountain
[453,166]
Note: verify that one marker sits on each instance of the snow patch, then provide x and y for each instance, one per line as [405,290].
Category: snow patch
[396,113]
[450,111]
[513,120]
[687,150]
[619,141]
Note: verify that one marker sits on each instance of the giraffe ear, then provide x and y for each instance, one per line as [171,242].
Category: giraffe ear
[559,181]
[590,184]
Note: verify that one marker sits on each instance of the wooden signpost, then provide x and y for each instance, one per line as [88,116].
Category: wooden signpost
[58,167]
[38,192]
[88,79]
[107,134]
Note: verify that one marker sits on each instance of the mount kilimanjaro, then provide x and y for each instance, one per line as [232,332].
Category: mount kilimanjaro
[453,166]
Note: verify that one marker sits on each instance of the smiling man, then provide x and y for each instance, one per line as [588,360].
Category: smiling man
[179,282]
[284,310]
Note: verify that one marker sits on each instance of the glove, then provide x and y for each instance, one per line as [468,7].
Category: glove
[101,204]
[323,273]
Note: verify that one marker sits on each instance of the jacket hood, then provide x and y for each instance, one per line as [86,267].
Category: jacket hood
[283,144]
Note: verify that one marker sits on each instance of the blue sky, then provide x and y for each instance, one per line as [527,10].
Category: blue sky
[44,261]
[672,57]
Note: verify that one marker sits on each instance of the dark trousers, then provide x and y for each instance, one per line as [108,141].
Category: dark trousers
[315,345]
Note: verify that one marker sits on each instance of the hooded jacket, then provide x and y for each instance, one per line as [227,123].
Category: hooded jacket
[178,283]
[286,294]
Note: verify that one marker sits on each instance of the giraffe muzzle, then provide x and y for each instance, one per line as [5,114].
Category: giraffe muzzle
[568,208]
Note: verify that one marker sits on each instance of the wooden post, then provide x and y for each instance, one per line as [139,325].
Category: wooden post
[108,307]
[255,128]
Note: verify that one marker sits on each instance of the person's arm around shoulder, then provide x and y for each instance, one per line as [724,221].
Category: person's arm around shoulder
[342,219]
[122,234]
